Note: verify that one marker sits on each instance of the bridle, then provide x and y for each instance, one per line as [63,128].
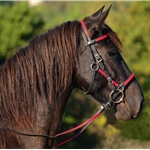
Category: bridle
[97,65]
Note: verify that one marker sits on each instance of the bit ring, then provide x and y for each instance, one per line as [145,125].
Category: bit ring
[112,94]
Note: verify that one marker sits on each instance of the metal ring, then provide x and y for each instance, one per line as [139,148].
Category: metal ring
[94,66]
[120,92]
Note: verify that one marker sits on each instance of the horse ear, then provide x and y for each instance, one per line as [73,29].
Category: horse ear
[98,12]
[102,17]
[96,21]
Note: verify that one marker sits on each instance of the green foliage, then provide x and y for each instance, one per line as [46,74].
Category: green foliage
[55,13]
[135,37]
[18,24]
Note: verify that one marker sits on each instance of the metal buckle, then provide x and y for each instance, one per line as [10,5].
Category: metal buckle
[120,87]
[98,58]
[109,79]
[90,42]
[105,106]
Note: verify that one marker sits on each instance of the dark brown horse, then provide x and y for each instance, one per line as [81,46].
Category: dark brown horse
[37,81]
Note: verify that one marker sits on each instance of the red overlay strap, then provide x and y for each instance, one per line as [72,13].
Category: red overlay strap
[129,79]
[84,28]
[101,38]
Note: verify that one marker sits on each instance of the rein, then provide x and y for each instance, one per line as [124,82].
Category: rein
[97,65]
[84,125]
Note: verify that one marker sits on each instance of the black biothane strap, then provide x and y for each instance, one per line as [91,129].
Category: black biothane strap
[93,61]
[25,134]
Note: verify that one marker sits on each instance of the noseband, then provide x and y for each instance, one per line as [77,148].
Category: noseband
[97,65]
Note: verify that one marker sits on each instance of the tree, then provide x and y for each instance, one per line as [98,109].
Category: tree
[18,24]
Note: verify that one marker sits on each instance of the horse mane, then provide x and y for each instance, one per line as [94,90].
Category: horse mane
[39,72]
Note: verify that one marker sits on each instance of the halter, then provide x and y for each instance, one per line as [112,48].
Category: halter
[97,65]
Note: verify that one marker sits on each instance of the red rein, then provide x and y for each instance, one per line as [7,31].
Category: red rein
[84,125]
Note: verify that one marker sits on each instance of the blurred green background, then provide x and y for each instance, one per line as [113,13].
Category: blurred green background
[21,21]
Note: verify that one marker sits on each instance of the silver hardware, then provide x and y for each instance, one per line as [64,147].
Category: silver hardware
[94,66]
[98,58]
[118,92]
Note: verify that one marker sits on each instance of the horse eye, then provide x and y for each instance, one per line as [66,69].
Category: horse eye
[112,53]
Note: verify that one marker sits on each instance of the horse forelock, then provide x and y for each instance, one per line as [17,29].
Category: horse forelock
[113,37]
[38,73]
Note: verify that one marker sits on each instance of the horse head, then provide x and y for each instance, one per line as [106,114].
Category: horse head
[98,39]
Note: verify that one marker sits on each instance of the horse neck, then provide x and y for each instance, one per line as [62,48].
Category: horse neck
[38,84]
[57,114]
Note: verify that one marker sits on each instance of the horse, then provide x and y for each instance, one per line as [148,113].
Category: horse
[36,82]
